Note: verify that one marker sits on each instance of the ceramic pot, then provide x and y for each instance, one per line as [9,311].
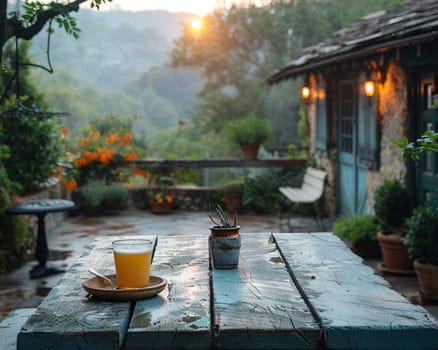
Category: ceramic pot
[427,275]
[160,207]
[366,248]
[224,246]
[394,253]
[249,151]
[233,201]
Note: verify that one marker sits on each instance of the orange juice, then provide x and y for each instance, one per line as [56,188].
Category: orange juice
[133,262]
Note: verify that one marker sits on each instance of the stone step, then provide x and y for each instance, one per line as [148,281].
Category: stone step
[11,325]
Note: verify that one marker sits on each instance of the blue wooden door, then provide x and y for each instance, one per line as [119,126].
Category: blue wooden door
[351,182]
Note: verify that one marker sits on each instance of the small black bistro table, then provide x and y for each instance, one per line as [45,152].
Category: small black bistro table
[40,208]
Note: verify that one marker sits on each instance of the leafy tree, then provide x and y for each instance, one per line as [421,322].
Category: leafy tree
[238,48]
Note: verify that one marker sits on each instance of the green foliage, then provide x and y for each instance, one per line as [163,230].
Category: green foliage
[303,128]
[35,144]
[233,186]
[392,204]
[93,194]
[426,143]
[115,197]
[238,47]
[422,234]
[250,130]
[261,194]
[357,227]
[221,219]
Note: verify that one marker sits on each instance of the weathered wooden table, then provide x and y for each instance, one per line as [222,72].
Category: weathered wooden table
[291,291]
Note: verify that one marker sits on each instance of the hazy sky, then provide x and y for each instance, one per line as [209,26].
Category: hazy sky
[200,7]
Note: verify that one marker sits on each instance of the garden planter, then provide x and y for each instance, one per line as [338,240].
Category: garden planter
[160,207]
[394,253]
[91,210]
[224,246]
[249,151]
[366,248]
[427,275]
[233,202]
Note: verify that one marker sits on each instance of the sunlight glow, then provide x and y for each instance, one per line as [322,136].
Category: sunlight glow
[196,24]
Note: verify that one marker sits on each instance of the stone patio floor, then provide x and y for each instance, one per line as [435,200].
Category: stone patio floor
[67,241]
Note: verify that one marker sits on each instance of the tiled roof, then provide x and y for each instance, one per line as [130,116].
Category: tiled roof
[411,22]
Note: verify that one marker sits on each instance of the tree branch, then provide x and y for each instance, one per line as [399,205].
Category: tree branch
[16,28]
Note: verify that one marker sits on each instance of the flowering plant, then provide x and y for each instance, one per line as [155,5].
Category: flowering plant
[162,194]
[98,156]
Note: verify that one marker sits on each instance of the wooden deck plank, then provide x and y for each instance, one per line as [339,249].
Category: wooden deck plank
[357,309]
[67,319]
[180,316]
[256,306]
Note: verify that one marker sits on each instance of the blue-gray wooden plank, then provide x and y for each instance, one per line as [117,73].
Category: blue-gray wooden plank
[66,319]
[257,305]
[179,318]
[11,325]
[357,309]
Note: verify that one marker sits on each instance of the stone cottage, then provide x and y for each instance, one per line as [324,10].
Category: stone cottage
[370,84]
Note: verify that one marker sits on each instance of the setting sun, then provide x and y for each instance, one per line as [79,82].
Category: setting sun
[196,24]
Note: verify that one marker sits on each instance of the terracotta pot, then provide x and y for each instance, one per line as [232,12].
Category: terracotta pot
[427,275]
[233,201]
[366,248]
[395,253]
[249,151]
[160,207]
[224,246]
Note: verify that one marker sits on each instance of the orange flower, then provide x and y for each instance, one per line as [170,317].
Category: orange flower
[140,172]
[85,141]
[131,156]
[94,135]
[105,155]
[91,156]
[80,162]
[126,139]
[169,198]
[112,138]
[70,185]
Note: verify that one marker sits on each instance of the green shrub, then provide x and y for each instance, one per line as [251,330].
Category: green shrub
[261,194]
[422,234]
[392,204]
[115,197]
[36,146]
[233,186]
[357,227]
[93,194]
[250,130]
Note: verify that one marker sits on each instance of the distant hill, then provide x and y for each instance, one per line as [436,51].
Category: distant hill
[114,47]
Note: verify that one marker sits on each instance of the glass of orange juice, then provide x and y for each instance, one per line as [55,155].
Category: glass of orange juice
[132,258]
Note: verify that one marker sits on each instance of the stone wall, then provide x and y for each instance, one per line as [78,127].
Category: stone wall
[393,110]
[186,198]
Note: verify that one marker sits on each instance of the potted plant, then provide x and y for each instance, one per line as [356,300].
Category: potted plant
[249,133]
[115,197]
[91,198]
[224,240]
[359,232]
[161,198]
[233,192]
[392,205]
[422,239]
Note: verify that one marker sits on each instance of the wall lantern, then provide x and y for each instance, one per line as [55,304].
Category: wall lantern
[305,93]
[369,87]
